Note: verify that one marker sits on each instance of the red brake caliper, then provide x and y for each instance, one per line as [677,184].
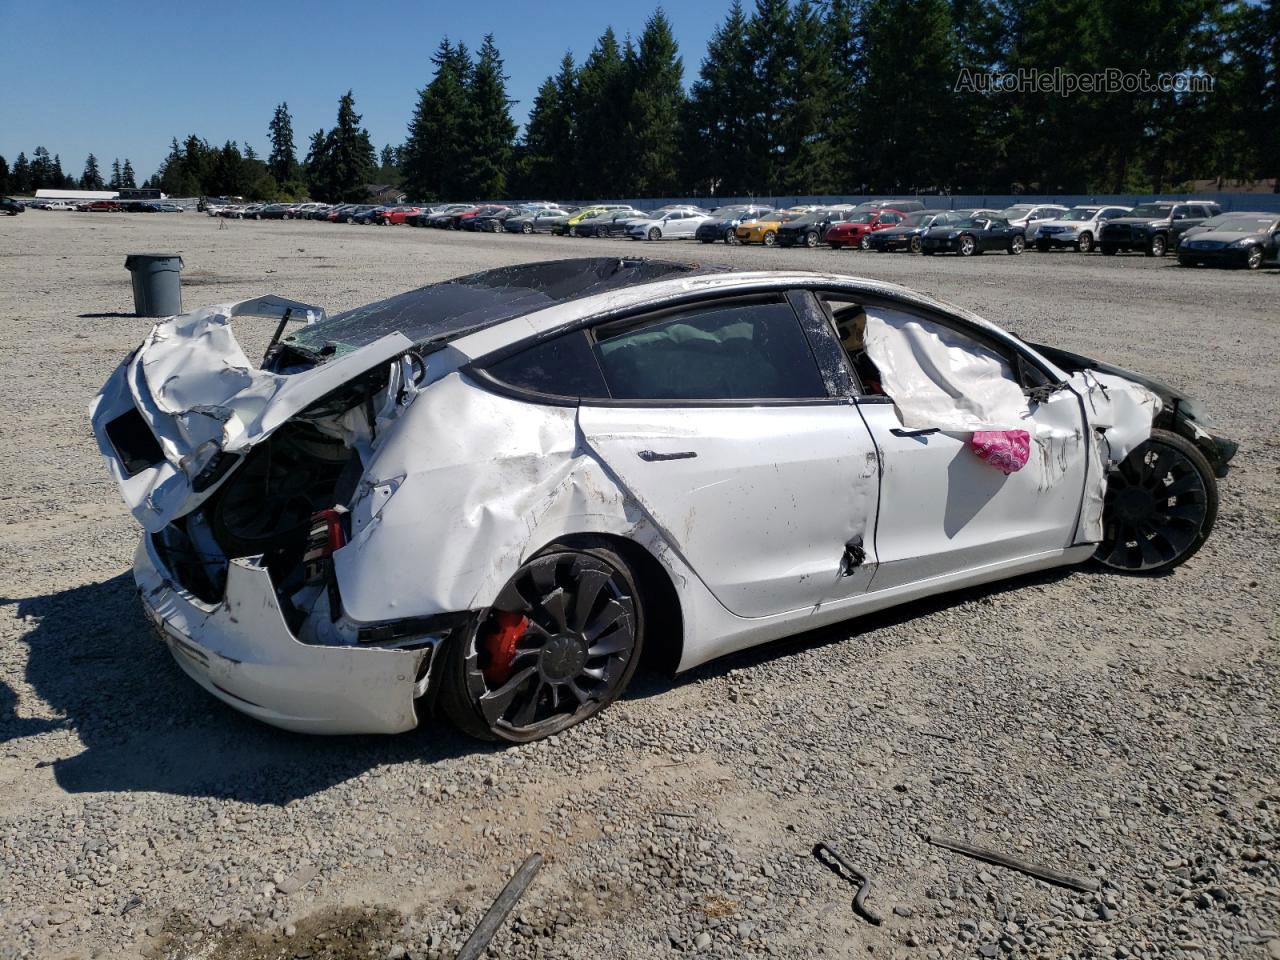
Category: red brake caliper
[502,633]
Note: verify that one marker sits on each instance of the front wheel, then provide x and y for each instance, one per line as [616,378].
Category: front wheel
[1253,260]
[731,238]
[770,239]
[811,239]
[526,228]
[1017,245]
[1157,246]
[560,643]
[655,233]
[968,246]
[865,242]
[1160,505]
[917,245]
[1084,242]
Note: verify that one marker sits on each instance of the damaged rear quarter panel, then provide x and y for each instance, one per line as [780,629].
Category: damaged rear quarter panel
[463,488]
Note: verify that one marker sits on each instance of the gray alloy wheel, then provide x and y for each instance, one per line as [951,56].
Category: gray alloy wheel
[731,237]
[865,242]
[811,239]
[1160,505]
[496,227]
[1253,259]
[968,246]
[526,228]
[560,643]
[655,233]
[1084,242]
[1017,244]
[1158,245]
[770,238]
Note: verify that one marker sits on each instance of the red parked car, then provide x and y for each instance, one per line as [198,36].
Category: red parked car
[395,215]
[100,206]
[856,231]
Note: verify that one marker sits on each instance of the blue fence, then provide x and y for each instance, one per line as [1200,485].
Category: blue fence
[1269,202]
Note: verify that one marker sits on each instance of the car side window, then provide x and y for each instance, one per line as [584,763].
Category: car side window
[734,351]
[563,366]
[890,218]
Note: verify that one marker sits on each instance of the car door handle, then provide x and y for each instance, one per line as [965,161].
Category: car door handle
[652,456]
[902,432]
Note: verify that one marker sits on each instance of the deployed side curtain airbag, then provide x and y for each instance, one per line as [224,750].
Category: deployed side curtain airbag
[940,378]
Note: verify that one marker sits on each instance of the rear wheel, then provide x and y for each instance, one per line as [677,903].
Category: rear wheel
[526,228]
[1160,506]
[1157,246]
[770,238]
[865,242]
[917,245]
[811,238]
[1017,244]
[1084,242]
[731,238]
[560,643]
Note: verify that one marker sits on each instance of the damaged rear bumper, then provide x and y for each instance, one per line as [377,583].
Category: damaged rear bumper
[242,651]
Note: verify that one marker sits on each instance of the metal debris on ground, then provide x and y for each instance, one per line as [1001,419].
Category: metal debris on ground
[1047,874]
[827,856]
[489,923]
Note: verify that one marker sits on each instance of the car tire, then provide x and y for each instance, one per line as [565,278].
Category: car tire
[917,245]
[1017,245]
[731,238]
[539,618]
[811,239]
[1158,245]
[1110,249]
[865,242]
[1253,259]
[1084,242]
[1160,506]
[967,246]
[349,219]
[654,234]
[769,239]
[526,228]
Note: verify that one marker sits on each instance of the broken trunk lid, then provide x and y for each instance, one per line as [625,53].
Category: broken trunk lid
[206,404]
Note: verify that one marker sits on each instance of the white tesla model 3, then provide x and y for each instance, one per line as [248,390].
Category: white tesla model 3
[493,493]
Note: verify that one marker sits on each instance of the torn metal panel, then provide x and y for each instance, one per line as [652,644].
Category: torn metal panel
[242,652]
[203,400]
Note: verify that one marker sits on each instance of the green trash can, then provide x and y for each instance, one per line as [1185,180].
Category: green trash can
[157,283]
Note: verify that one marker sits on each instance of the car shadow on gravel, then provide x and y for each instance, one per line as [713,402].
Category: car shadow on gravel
[651,682]
[145,726]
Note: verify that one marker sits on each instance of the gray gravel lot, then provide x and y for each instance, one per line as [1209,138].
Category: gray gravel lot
[1120,728]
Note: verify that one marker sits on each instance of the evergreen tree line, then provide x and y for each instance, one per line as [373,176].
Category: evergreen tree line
[798,97]
[43,171]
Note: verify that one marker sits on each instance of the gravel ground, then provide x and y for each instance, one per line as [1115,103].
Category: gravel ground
[1119,728]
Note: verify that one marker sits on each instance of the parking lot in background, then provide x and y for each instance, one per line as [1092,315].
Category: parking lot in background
[1078,719]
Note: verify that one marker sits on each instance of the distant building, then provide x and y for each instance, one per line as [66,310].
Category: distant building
[78,196]
[385,194]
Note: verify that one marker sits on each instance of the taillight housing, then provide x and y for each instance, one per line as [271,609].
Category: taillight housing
[327,535]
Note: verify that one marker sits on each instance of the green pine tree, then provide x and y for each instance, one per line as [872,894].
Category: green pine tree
[91,179]
[657,104]
[351,157]
[282,161]
[768,33]
[432,151]
[114,182]
[127,177]
[811,86]
[488,147]
[718,117]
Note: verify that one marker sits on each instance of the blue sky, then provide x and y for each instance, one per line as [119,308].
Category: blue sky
[120,79]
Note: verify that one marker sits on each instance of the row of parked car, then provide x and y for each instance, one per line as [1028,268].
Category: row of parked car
[1196,230]
[106,206]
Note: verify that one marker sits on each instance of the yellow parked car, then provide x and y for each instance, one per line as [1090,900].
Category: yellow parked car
[765,230]
[566,228]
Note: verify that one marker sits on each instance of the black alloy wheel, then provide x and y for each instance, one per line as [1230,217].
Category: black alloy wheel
[560,643]
[1160,506]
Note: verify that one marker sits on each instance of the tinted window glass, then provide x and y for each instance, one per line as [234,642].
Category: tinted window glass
[734,352]
[563,367]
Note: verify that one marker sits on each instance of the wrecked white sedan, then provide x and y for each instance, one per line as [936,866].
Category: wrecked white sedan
[493,493]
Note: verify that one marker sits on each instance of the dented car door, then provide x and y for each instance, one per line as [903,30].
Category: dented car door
[723,430]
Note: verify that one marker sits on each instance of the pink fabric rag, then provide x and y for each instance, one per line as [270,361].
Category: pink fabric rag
[1007,450]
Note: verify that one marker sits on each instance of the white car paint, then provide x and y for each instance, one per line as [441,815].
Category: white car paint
[1059,232]
[675,224]
[461,485]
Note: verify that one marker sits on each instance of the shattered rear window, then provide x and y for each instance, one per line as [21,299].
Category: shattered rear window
[443,311]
